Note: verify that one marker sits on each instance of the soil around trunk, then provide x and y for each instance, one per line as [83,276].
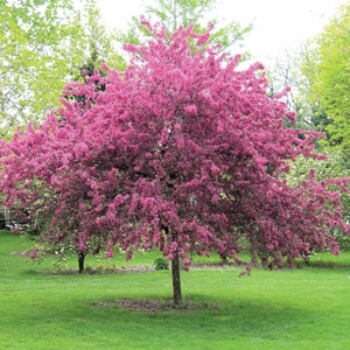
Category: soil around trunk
[157,305]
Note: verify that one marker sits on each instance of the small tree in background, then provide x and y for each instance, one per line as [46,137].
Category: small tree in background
[175,13]
[182,152]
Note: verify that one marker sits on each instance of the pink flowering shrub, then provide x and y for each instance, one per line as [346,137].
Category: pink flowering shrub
[182,152]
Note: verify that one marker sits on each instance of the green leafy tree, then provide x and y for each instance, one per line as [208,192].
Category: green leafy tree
[327,69]
[34,36]
[43,44]
[100,45]
[175,13]
[325,66]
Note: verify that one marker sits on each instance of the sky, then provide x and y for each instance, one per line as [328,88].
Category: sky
[278,25]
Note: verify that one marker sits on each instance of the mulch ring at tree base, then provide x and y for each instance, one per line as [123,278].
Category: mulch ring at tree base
[101,270]
[22,253]
[156,305]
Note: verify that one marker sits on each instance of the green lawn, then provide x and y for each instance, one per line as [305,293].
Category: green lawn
[306,308]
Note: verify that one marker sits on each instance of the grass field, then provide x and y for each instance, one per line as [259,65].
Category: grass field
[306,308]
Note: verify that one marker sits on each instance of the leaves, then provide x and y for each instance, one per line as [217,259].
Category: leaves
[174,14]
[327,68]
[43,44]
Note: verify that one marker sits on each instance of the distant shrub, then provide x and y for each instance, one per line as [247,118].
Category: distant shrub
[344,243]
[161,264]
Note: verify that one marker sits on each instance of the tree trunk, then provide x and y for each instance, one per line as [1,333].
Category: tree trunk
[175,268]
[81,260]
[175,271]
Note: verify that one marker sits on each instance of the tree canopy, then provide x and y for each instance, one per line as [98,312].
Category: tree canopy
[175,13]
[326,66]
[182,152]
[42,45]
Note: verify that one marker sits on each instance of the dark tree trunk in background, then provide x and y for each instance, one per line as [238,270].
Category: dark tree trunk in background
[81,260]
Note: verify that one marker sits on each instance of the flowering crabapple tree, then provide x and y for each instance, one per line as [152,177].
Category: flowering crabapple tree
[183,152]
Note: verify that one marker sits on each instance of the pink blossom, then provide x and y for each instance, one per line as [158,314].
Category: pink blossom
[215,169]
[170,256]
[215,199]
[33,254]
[312,174]
[220,126]
[203,39]
[191,109]
[205,94]
[109,254]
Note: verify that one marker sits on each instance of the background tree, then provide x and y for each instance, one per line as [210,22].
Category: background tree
[326,67]
[101,45]
[42,45]
[175,13]
[300,70]
[286,72]
[181,153]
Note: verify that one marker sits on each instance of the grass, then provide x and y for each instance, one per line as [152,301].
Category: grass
[290,309]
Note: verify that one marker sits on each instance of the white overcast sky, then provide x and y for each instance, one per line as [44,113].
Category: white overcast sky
[278,25]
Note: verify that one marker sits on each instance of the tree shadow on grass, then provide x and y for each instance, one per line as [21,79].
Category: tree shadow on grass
[212,319]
